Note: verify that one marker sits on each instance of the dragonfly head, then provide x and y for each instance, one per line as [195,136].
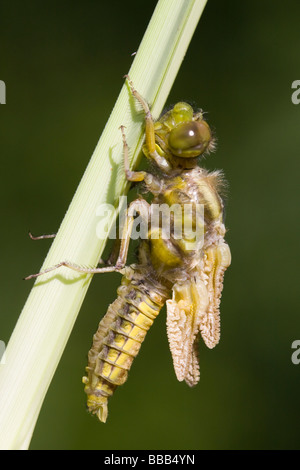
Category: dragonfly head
[183,133]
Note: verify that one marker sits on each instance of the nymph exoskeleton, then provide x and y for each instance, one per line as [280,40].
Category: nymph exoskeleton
[184,272]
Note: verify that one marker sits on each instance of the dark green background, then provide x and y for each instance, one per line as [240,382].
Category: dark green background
[63,63]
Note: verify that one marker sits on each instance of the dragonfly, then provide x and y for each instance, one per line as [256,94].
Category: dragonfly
[184,272]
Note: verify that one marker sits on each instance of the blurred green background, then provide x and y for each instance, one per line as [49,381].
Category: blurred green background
[63,64]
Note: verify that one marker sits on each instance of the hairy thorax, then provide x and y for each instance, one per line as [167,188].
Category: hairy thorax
[186,218]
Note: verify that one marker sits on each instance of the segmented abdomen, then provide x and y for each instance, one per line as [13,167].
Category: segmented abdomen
[119,336]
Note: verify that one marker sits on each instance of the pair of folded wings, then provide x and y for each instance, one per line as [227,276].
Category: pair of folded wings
[194,310]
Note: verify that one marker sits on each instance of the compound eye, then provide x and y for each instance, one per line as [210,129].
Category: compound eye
[189,139]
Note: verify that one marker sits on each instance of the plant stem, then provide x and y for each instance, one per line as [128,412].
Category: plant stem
[48,316]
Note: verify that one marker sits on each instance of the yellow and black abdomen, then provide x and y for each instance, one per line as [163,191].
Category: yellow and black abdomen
[119,337]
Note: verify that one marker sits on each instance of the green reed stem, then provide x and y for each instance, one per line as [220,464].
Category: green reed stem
[48,316]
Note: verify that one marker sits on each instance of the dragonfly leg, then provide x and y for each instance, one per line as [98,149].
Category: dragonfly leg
[41,237]
[75,267]
[140,206]
[150,132]
[134,176]
[113,253]
[151,182]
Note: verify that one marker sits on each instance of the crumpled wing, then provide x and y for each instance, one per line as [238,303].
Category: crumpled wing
[217,260]
[184,312]
[194,309]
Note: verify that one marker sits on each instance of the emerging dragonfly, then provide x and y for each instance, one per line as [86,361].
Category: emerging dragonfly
[184,273]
